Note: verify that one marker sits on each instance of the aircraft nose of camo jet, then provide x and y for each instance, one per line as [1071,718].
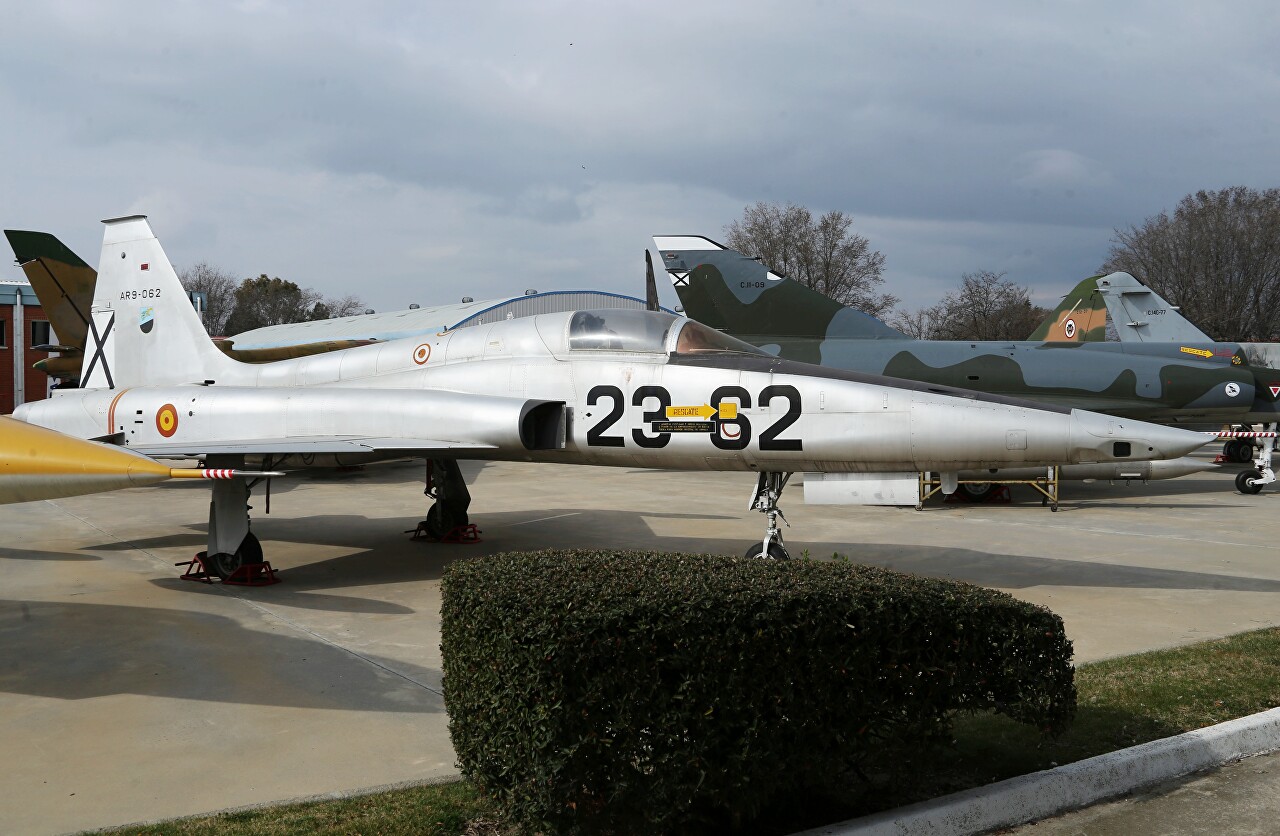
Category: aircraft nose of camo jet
[1108,438]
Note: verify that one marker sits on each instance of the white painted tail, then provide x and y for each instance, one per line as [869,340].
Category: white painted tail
[145,331]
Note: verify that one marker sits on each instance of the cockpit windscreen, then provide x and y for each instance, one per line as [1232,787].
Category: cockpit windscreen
[619,329]
[696,338]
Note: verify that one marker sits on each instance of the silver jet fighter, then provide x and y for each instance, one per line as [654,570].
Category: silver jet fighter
[612,387]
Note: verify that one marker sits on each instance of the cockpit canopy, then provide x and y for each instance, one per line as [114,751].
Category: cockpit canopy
[651,332]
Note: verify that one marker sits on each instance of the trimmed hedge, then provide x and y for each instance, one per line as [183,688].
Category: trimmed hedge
[633,691]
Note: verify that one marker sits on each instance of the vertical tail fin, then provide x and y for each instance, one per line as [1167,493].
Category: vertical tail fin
[1081,318]
[62,281]
[1141,315]
[143,329]
[736,294]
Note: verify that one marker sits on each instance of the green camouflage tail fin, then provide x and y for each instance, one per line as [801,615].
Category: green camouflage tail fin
[64,284]
[1081,318]
[736,294]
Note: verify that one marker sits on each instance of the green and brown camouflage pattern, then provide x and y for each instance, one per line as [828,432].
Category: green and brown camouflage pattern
[738,295]
[64,284]
[1080,318]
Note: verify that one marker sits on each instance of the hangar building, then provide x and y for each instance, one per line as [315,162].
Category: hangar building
[414,321]
[23,325]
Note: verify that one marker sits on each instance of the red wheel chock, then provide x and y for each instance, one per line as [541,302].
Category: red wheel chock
[457,535]
[250,574]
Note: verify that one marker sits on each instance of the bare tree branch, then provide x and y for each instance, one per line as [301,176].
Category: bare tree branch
[1217,257]
[986,307]
[824,255]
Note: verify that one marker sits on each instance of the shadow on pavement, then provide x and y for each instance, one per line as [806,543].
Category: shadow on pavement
[82,651]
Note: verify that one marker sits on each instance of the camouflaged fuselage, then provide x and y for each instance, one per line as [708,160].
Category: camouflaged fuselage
[738,295]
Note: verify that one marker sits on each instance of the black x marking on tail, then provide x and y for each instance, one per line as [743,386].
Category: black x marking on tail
[99,349]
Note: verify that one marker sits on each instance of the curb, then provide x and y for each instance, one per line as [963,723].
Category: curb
[1080,784]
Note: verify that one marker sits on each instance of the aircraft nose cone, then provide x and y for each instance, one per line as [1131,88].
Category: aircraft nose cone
[1172,442]
[1121,439]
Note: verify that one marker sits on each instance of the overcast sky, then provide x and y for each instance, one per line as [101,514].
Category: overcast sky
[416,152]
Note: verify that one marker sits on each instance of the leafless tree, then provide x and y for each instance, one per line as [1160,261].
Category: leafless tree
[219,289]
[986,307]
[1217,257]
[824,255]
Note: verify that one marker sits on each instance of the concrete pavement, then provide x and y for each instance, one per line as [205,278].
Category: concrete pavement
[1242,799]
[126,694]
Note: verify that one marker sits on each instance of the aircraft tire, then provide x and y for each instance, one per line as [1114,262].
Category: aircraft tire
[224,565]
[776,552]
[437,526]
[976,493]
[1243,452]
[1245,483]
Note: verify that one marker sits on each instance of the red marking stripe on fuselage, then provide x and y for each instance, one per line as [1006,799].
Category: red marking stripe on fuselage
[111,412]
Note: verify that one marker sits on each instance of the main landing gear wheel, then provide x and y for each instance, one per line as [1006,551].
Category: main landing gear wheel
[449,490]
[978,492]
[1249,481]
[440,521]
[1239,450]
[776,552]
[225,565]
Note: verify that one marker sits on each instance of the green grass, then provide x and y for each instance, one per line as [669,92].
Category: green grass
[437,810]
[1122,702]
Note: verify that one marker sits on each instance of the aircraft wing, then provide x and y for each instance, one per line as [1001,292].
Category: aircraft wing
[309,446]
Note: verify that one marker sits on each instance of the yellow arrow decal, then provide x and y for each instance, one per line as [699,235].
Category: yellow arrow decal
[703,411]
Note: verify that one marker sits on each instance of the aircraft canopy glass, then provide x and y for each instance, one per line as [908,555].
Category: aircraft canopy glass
[619,329]
[696,338]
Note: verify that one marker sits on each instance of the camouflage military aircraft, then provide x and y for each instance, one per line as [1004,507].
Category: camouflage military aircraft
[610,387]
[740,296]
[1146,323]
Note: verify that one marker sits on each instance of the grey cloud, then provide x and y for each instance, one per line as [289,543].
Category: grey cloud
[264,126]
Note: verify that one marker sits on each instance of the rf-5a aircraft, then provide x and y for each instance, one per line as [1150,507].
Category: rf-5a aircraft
[613,387]
[38,463]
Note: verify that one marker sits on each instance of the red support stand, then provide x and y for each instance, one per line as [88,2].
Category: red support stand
[195,569]
[459,535]
[253,574]
[250,574]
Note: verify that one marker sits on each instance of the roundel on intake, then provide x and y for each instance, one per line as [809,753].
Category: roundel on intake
[167,420]
[422,354]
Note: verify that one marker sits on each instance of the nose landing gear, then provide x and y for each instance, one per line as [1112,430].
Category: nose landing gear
[765,500]
[1252,481]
